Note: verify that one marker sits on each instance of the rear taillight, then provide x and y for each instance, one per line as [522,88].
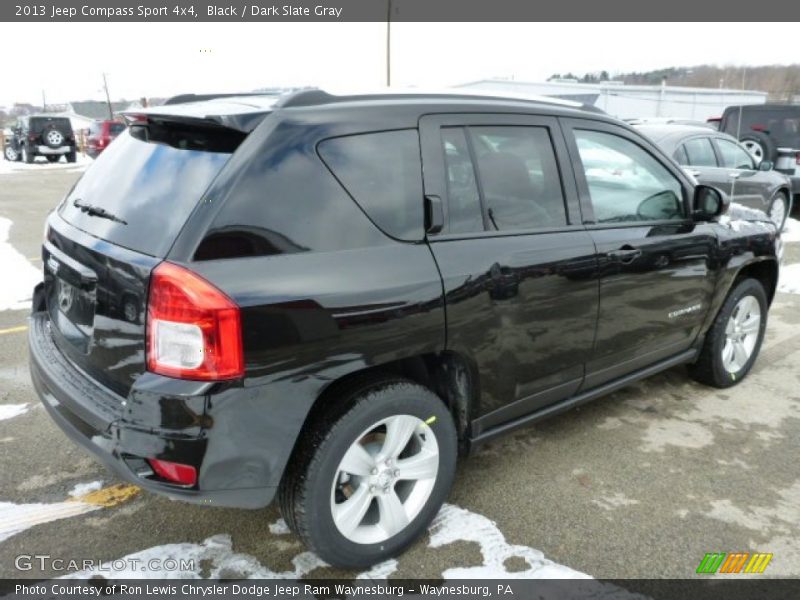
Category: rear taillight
[174,472]
[193,330]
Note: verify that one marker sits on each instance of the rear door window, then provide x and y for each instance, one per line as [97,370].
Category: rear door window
[700,152]
[463,200]
[383,174]
[733,155]
[519,177]
[148,191]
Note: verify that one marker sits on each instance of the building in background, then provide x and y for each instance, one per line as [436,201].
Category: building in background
[629,101]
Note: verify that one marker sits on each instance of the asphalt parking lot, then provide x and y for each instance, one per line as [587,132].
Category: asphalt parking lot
[642,483]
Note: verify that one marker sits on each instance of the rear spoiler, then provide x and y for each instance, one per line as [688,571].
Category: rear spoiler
[237,112]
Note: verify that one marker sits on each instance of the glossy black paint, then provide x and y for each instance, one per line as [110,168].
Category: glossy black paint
[506,327]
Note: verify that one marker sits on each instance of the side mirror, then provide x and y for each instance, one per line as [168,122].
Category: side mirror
[709,203]
[766,165]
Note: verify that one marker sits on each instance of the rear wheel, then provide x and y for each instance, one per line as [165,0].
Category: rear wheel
[734,340]
[371,473]
[779,210]
[71,157]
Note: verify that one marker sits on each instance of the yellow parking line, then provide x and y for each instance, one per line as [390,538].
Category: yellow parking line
[34,258]
[111,495]
[19,329]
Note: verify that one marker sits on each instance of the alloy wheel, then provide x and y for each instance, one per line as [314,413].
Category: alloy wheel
[384,479]
[741,334]
[755,149]
[777,212]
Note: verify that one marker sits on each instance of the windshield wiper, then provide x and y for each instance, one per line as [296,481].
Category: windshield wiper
[96,211]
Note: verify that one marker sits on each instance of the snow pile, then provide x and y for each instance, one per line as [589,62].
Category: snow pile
[789,279]
[41,164]
[453,524]
[791,231]
[84,488]
[9,411]
[15,518]
[215,558]
[17,274]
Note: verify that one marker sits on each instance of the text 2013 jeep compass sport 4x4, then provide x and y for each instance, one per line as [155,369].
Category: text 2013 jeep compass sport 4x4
[326,299]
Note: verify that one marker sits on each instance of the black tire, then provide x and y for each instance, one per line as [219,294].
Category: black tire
[768,147]
[27,156]
[780,197]
[709,367]
[306,491]
[53,158]
[71,157]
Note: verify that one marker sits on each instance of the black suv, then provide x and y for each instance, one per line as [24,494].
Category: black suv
[41,135]
[326,299]
[769,132]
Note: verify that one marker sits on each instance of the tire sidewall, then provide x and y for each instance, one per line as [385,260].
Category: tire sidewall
[748,287]
[394,399]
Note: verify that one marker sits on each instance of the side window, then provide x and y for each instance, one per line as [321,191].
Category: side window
[625,182]
[383,174]
[463,201]
[700,153]
[519,177]
[733,155]
[680,156]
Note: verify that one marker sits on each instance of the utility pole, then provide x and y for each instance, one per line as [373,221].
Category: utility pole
[108,98]
[44,103]
[388,43]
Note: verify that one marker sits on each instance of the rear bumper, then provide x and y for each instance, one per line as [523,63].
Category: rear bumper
[48,150]
[234,469]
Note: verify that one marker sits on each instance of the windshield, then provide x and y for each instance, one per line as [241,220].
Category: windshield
[150,189]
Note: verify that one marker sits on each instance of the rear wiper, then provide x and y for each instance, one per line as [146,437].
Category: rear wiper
[96,211]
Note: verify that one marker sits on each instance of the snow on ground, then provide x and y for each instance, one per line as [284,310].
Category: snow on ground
[15,518]
[17,273]
[789,279]
[9,411]
[791,231]
[84,488]
[454,523]
[215,558]
[41,164]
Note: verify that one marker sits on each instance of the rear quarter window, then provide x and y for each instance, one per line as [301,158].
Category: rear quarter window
[383,174]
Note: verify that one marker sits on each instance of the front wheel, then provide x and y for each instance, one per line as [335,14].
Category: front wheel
[734,340]
[371,474]
[11,154]
[779,210]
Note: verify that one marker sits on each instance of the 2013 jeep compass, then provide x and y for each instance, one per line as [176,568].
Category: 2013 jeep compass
[328,298]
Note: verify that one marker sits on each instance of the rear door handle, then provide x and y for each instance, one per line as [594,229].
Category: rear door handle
[625,255]
[734,175]
[694,173]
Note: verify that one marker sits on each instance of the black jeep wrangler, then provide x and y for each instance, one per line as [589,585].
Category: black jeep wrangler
[41,135]
[341,294]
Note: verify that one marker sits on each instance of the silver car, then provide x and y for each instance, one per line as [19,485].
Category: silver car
[717,159]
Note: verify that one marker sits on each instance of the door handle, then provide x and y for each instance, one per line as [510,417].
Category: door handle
[734,175]
[694,173]
[625,255]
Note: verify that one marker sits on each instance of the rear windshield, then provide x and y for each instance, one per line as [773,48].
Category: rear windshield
[39,123]
[149,189]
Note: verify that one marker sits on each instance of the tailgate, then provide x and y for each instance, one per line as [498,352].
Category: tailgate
[96,296]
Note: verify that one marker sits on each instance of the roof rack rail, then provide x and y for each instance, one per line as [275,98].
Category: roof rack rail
[315,97]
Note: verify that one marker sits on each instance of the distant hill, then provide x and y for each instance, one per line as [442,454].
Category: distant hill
[782,82]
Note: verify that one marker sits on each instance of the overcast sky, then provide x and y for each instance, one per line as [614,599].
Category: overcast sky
[162,59]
